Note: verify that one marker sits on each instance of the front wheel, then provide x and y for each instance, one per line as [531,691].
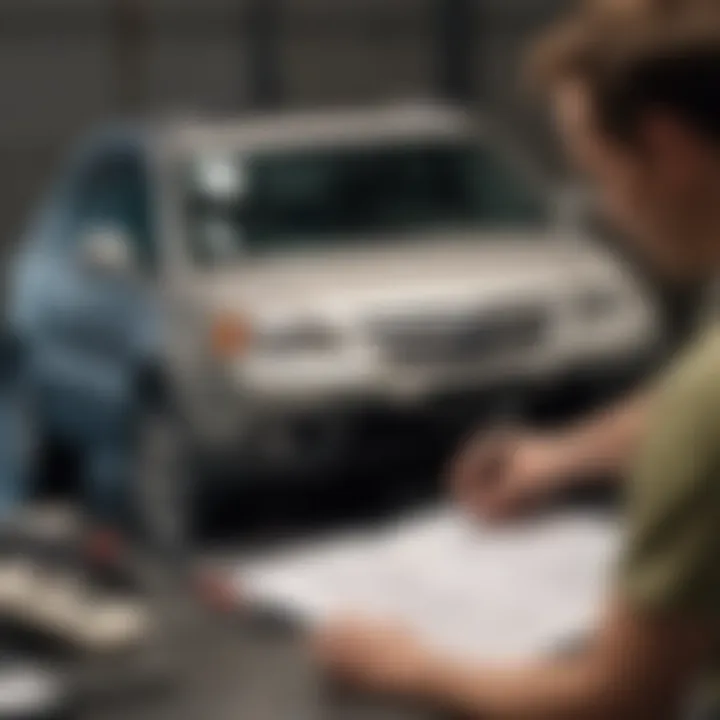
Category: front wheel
[162,480]
[140,481]
[22,448]
[34,464]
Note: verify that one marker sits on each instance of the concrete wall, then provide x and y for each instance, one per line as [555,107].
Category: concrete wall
[66,65]
[62,71]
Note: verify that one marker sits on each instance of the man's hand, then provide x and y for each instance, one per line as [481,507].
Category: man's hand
[503,474]
[639,666]
[375,657]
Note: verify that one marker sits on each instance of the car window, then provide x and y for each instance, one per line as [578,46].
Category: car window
[112,192]
[274,199]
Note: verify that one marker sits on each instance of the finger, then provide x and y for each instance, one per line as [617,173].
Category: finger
[485,487]
[500,511]
[322,640]
[508,505]
[467,449]
[480,467]
[331,652]
[336,634]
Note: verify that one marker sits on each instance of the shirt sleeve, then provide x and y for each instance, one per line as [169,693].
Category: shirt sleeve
[671,559]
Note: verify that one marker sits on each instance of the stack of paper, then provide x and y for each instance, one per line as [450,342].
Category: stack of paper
[488,593]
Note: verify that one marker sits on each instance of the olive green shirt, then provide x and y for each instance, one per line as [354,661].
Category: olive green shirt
[671,560]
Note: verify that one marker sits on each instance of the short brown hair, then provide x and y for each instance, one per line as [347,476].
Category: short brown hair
[663,55]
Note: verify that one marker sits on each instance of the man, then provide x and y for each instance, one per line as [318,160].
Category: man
[499,476]
[638,106]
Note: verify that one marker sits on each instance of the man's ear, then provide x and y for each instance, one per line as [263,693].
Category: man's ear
[673,149]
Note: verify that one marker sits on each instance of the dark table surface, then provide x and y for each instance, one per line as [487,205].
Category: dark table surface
[215,667]
[206,666]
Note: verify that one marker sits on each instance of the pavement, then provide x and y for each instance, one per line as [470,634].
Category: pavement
[200,665]
[204,665]
[226,667]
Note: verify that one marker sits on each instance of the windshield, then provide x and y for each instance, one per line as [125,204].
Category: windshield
[275,200]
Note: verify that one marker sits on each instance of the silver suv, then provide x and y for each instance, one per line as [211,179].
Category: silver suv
[239,291]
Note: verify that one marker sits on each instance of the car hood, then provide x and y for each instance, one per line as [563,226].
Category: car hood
[433,270]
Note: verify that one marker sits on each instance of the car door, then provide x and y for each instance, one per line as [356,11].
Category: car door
[103,297]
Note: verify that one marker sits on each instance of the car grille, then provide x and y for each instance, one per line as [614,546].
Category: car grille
[458,339]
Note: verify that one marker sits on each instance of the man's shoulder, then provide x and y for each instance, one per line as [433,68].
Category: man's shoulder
[690,391]
[673,536]
[697,370]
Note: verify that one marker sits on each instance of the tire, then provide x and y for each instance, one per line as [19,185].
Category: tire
[162,481]
[20,452]
[33,462]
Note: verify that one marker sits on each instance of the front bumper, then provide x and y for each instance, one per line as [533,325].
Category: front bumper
[378,431]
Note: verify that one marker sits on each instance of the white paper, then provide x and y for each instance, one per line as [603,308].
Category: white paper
[495,593]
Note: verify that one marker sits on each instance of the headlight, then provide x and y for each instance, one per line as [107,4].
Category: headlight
[309,338]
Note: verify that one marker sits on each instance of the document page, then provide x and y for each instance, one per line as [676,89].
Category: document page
[502,592]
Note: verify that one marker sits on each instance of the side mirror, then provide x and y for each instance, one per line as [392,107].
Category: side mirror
[107,250]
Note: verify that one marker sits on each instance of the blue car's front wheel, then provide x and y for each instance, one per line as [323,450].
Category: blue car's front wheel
[162,479]
[19,451]
[31,458]
[142,478]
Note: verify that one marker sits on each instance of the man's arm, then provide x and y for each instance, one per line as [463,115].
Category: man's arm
[607,441]
[501,474]
[659,630]
[638,667]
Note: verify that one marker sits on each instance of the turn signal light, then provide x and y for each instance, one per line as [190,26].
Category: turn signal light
[230,336]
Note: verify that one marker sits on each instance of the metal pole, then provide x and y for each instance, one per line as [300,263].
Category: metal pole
[455,43]
[263,53]
[130,40]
